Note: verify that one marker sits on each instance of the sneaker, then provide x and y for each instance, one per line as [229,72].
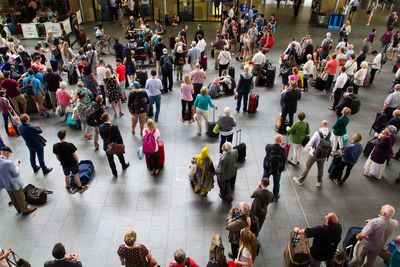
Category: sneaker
[35,170]
[30,210]
[68,188]
[319,184]
[125,166]
[47,171]
[83,188]
[297,181]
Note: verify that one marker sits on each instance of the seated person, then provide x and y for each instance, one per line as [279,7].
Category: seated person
[100,32]
[61,259]
[176,20]
[226,82]
[214,88]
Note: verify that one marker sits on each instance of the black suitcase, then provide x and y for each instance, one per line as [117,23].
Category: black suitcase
[211,125]
[379,123]
[319,84]
[350,240]
[151,111]
[240,147]
[270,77]
[334,172]
[370,146]
[141,77]
[231,72]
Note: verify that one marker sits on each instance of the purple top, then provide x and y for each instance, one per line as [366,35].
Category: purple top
[382,150]
[186,90]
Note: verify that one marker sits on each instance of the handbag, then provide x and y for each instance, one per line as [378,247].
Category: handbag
[306,138]
[385,254]
[192,169]
[15,120]
[216,127]
[151,263]
[17,261]
[140,153]
[114,148]
[325,76]
[42,139]
[75,116]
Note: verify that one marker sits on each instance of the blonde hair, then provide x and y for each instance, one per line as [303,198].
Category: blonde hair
[309,56]
[64,49]
[346,111]
[107,73]
[151,125]
[80,84]
[187,79]
[364,64]
[356,138]
[130,238]
[204,90]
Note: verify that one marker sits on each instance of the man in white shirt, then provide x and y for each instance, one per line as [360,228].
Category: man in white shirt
[297,46]
[312,146]
[201,45]
[351,66]
[392,101]
[101,69]
[338,89]
[259,60]
[376,64]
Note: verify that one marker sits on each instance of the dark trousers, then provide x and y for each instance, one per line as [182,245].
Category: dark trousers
[227,138]
[222,67]
[152,160]
[110,158]
[103,93]
[40,154]
[196,88]
[167,74]
[373,71]
[201,59]
[355,88]
[245,97]
[283,119]
[341,166]
[305,83]
[359,60]
[5,117]
[328,82]
[189,106]
[77,39]
[225,189]
[277,180]
[337,95]
[235,250]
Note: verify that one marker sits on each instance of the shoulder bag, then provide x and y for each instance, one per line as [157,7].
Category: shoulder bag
[306,138]
[15,120]
[112,147]
[151,263]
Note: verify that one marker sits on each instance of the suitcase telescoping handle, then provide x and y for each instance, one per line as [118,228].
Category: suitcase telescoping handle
[213,114]
[238,137]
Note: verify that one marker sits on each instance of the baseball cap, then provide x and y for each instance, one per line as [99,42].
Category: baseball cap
[6,148]
[136,84]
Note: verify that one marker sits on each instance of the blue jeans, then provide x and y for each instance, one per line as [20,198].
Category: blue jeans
[40,153]
[245,97]
[5,117]
[224,139]
[384,47]
[277,179]
[155,99]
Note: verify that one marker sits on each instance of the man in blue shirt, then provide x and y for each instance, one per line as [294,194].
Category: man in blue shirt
[30,134]
[243,7]
[11,181]
[154,87]
[39,92]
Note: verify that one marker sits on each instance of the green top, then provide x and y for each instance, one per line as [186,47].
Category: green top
[339,129]
[298,131]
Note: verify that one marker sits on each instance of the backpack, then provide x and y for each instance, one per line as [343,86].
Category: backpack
[149,143]
[328,44]
[355,105]
[181,61]
[93,116]
[324,148]
[29,88]
[255,224]
[187,263]
[276,161]
[139,102]
[34,195]
[167,63]
[233,84]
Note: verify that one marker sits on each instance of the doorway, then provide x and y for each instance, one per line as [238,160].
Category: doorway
[199,10]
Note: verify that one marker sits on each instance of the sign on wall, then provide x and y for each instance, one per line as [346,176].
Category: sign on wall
[79,16]
[29,30]
[54,27]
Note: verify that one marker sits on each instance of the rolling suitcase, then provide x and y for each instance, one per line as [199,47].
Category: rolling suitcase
[333,170]
[379,123]
[366,80]
[86,171]
[297,251]
[370,146]
[240,147]
[253,103]
[172,42]
[270,77]
[211,125]
[204,62]
[286,146]
[160,154]
[231,72]
[319,84]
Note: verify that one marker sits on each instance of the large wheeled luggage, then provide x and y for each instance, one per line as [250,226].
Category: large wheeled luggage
[380,122]
[253,103]
[204,62]
[319,84]
[270,76]
[160,155]
[297,251]
[211,125]
[86,171]
[370,146]
[334,172]
[240,147]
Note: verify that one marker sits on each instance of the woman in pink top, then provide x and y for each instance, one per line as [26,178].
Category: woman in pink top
[295,76]
[187,98]
[331,69]
[6,109]
[63,98]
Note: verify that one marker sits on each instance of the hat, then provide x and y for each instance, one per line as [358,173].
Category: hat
[136,84]
[6,148]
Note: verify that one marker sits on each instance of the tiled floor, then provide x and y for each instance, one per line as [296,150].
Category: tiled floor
[163,209]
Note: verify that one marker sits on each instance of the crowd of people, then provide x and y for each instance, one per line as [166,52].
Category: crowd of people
[29,83]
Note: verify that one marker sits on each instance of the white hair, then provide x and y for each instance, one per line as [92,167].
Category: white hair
[328,35]
[392,129]
[228,146]
[364,64]
[244,207]
[21,48]
[63,85]
[227,111]
[388,211]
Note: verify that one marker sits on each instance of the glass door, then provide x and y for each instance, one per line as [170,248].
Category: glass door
[214,10]
[185,10]
[146,9]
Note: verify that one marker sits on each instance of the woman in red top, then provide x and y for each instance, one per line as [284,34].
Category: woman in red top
[6,110]
[331,69]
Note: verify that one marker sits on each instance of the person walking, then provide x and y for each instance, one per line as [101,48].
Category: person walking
[373,237]
[362,55]
[121,77]
[259,60]
[111,134]
[6,110]
[298,133]
[89,81]
[223,60]
[187,90]
[66,154]
[289,99]
[349,158]
[376,65]
[201,103]
[154,87]
[112,92]
[166,70]
[386,39]
[339,130]
[101,74]
[243,89]
[331,69]
[325,239]
[320,149]
[226,124]
[337,91]
[262,198]
[82,110]
[359,76]
[151,135]
[218,46]
[11,181]
[226,171]
[194,55]
[52,80]
[138,103]
[198,77]
[30,134]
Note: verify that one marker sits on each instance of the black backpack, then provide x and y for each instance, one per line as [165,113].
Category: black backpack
[275,162]
[72,76]
[139,102]
[93,116]
[355,105]
[167,63]
[34,195]
[29,88]
[324,148]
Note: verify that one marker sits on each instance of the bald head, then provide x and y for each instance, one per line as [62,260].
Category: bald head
[331,220]
[387,211]
[278,139]
[324,124]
